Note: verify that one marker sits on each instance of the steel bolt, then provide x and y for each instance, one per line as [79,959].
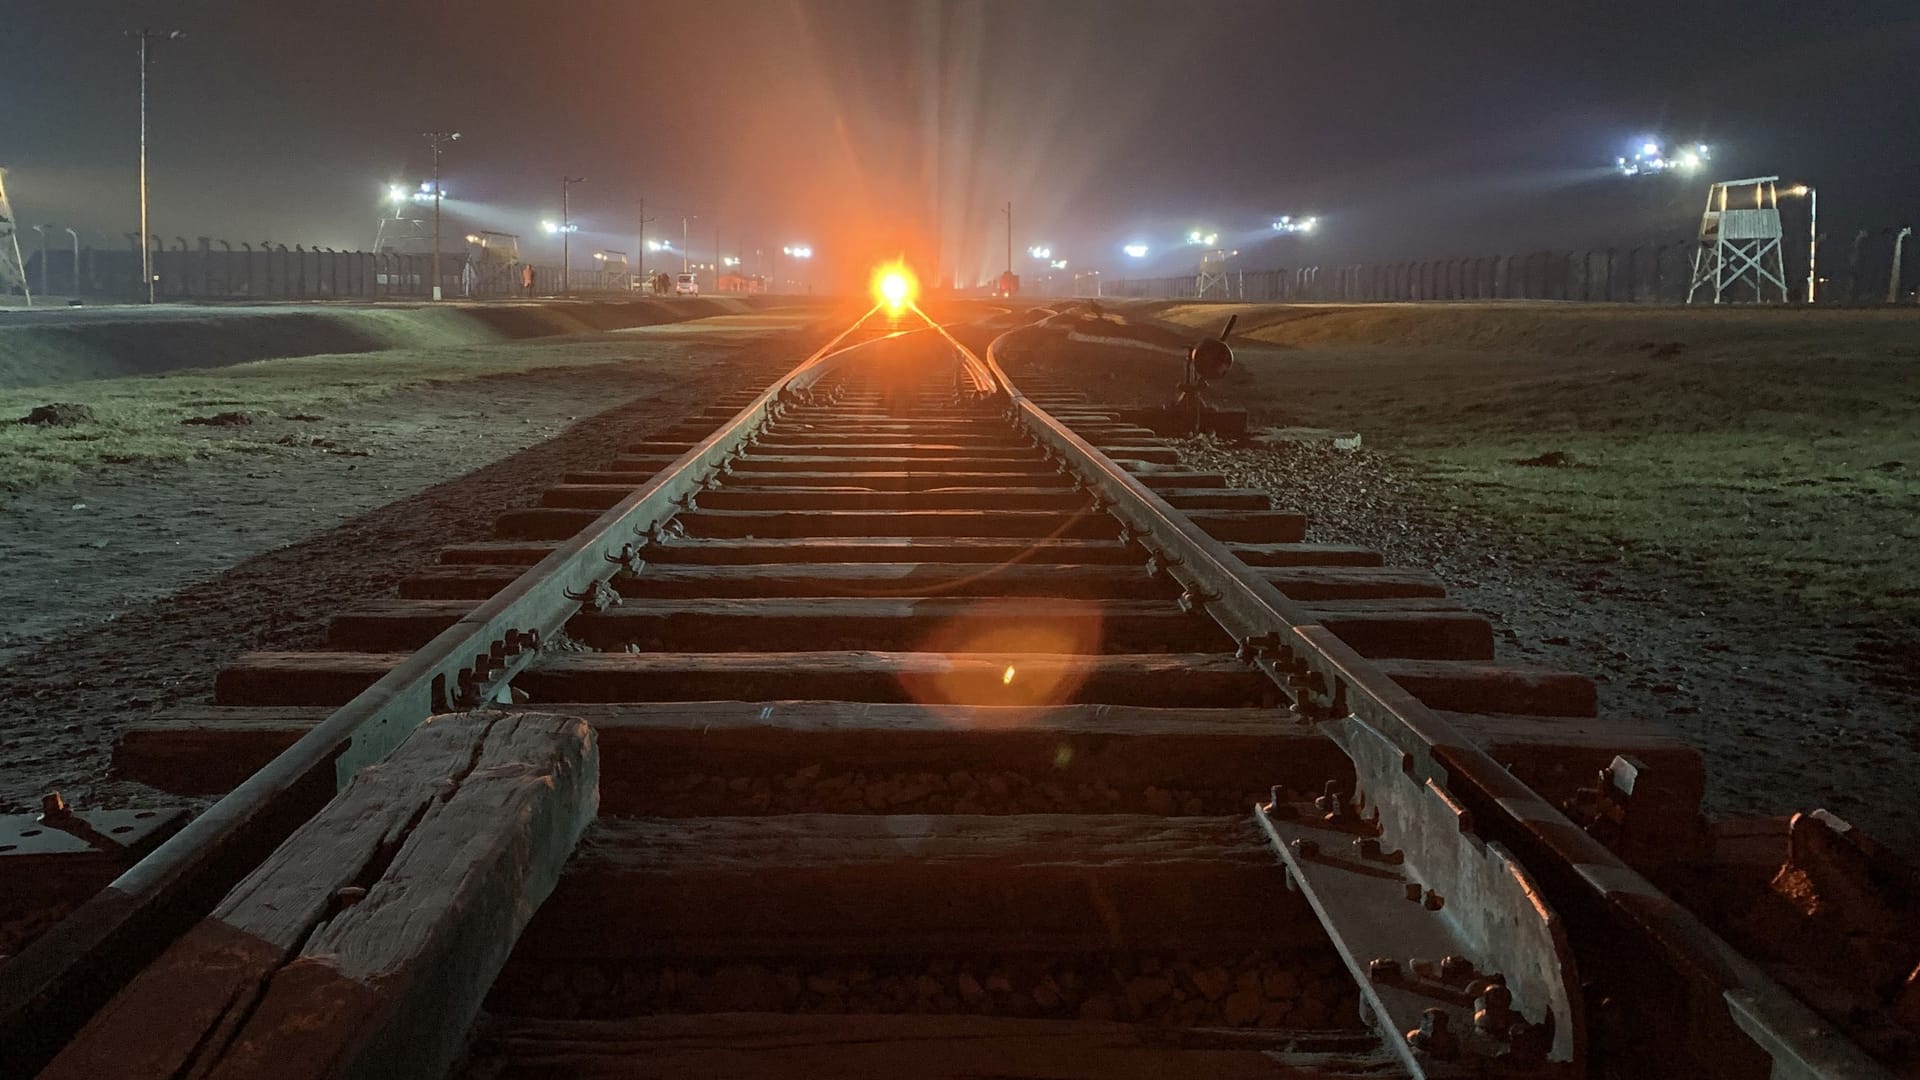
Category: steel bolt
[1368,847]
[1413,890]
[349,895]
[1305,848]
[53,807]
[1433,1036]
[1383,969]
[1275,796]
[1455,969]
[1332,803]
[1433,900]
[1493,1011]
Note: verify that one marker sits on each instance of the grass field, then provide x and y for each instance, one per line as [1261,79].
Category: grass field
[1773,451]
[140,419]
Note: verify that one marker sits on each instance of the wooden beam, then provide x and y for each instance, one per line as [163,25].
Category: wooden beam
[1196,680]
[363,946]
[764,1046]
[946,623]
[1069,580]
[208,749]
[845,885]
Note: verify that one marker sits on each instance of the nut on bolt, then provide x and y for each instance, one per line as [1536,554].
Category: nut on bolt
[53,807]
[1383,969]
[1493,1011]
[1433,1037]
[1305,848]
[1455,969]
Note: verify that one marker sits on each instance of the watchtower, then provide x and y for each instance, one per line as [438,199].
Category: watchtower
[1211,280]
[1739,256]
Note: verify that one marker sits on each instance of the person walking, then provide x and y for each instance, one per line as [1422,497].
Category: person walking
[526,278]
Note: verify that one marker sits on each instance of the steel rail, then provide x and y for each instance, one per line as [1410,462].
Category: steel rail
[1740,1022]
[71,970]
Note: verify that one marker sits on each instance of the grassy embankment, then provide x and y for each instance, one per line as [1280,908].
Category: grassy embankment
[1776,452]
[139,419]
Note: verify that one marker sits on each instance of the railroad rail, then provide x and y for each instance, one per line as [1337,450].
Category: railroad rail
[907,719]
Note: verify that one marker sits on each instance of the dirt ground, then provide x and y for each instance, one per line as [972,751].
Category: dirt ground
[1728,545]
[132,584]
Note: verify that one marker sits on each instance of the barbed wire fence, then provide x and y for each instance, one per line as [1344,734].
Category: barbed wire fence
[1860,273]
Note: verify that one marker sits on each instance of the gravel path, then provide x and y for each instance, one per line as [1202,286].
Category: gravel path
[1790,712]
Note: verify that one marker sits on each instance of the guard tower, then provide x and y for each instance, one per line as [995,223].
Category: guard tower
[1211,280]
[1739,254]
[13,275]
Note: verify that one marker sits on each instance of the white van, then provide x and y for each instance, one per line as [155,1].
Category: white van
[686,285]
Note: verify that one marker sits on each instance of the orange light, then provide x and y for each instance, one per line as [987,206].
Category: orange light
[894,286]
[1006,677]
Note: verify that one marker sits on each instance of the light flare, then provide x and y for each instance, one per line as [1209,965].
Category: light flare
[895,286]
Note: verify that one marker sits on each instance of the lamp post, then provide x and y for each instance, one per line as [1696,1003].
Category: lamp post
[798,251]
[1813,232]
[42,230]
[76,261]
[146,252]
[684,219]
[566,233]
[434,139]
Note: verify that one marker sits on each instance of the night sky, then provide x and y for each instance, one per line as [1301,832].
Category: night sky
[868,129]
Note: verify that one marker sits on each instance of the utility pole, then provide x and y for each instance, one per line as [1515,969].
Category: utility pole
[434,139]
[684,218]
[1009,213]
[716,258]
[76,261]
[146,249]
[640,252]
[566,234]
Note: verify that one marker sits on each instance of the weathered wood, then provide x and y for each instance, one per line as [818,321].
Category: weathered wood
[733,625]
[909,549]
[1172,679]
[837,884]
[948,623]
[208,749]
[1059,498]
[1487,688]
[1078,581]
[776,1046]
[363,946]
[901,480]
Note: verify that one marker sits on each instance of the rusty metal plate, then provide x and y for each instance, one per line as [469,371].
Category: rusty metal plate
[87,832]
[1407,956]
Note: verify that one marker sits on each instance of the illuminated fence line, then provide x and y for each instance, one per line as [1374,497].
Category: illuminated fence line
[1652,274]
[216,270]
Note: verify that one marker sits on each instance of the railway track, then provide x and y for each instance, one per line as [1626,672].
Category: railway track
[915,717]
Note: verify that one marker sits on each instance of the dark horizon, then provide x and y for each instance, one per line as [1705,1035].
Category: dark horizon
[871,129]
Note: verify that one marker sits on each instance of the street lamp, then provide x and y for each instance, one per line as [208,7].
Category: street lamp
[684,219]
[434,139]
[796,251]
[146,250]
[76,261]
[1813,232]
[1200,239]
[1040,251]
[1287,223]
[42,230]
[1136,251]
[566,232]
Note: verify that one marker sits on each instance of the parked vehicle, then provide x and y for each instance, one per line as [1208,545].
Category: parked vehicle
[686,285]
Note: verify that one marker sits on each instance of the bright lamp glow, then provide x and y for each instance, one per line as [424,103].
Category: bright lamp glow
[1040,251]
[1135,251]
[798,251]
[894,286]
